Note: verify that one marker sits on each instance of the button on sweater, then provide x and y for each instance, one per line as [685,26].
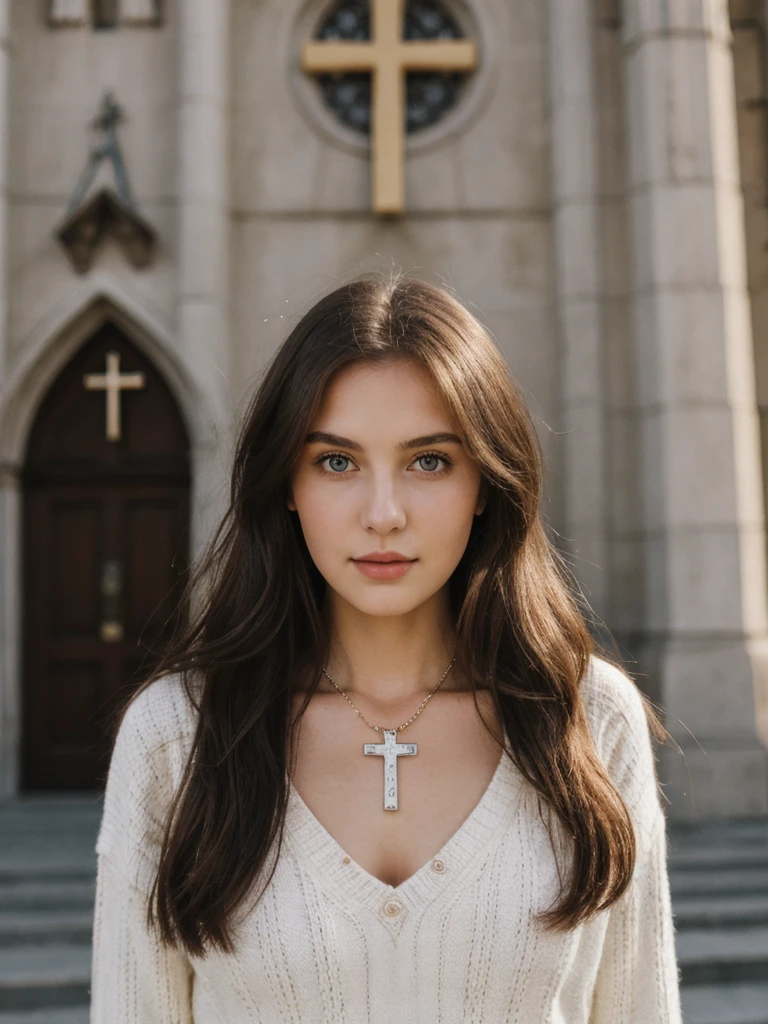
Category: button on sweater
[328,942]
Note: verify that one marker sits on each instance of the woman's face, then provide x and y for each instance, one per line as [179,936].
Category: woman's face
[390,475]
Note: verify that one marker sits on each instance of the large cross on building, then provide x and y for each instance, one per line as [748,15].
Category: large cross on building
[388,57]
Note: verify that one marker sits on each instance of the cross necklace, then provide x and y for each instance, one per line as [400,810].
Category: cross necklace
[390,749]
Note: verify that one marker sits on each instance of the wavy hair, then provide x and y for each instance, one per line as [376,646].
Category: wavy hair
[257,618]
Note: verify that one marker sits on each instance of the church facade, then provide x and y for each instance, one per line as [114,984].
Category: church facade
[182,179]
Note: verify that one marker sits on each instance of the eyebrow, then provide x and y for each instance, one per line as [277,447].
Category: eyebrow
[320,436]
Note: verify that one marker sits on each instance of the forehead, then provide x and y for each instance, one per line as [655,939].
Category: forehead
[401,390]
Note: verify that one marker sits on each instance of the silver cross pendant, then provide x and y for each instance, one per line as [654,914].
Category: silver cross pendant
[390,750]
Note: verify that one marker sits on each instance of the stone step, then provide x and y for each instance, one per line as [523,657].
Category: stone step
[75,1015]
[725,842]
[48,895]
[718,883]
[702,832]
[39,927]
[716,956]
[721,1004]
[723,912]
[704,827]
[702,858]
[55,975]
[33,872]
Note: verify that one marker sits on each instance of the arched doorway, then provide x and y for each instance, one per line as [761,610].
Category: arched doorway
[105,544]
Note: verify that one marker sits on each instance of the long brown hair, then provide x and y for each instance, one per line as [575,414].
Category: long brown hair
[257,618]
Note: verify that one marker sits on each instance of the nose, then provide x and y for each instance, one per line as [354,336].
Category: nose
[382,509]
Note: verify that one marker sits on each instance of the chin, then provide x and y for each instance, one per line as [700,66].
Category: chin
[385,604]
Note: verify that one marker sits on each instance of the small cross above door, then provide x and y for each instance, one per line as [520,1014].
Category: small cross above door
[114,383]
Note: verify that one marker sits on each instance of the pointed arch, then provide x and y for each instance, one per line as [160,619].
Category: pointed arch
[59,336]
[104,549]
[46,351]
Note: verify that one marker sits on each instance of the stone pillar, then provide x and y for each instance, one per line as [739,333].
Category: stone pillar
[9,617]
[10,631]
[703,518]
[5,29]
[203,231]
[576,199]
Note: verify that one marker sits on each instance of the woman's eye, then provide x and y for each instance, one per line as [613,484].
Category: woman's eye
[336,463]
[336,459]
[431,459]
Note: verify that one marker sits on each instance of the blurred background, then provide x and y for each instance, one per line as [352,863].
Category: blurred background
[181,179]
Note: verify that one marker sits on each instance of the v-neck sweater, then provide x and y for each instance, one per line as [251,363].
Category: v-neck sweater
[455,943]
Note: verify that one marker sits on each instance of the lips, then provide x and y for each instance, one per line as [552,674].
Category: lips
[383,556]
[376,567]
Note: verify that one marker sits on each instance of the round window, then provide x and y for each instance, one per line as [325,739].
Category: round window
[429,94]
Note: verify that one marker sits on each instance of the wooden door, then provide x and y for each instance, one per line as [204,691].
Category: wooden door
[106,526]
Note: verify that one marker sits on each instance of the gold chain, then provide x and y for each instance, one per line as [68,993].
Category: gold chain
[399,727]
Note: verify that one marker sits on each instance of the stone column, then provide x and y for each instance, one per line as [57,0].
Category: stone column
[703,518]
[203,230]
[576,199]
[5,29]
[9,504]
[10,629]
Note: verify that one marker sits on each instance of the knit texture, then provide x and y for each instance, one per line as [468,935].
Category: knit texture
[328,942]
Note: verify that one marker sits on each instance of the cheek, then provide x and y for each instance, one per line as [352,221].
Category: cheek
[443,515]
[321,511]
[451,521]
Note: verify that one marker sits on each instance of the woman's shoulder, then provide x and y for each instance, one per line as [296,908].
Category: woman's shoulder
[159,720]
[612,702]
[159,713]
[618,722]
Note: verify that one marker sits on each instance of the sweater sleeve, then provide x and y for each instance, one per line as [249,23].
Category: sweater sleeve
[134,977]
[638,980]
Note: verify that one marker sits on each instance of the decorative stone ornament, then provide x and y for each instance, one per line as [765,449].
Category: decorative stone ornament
[105,213]
[89,217]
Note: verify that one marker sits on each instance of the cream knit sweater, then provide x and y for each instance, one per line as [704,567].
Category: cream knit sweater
[331,944]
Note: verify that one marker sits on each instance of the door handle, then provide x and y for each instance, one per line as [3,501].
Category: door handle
[111,586]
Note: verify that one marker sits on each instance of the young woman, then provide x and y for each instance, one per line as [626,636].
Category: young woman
[384,776]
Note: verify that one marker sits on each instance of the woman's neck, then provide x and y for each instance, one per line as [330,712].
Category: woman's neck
[389,660]
[392,685]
